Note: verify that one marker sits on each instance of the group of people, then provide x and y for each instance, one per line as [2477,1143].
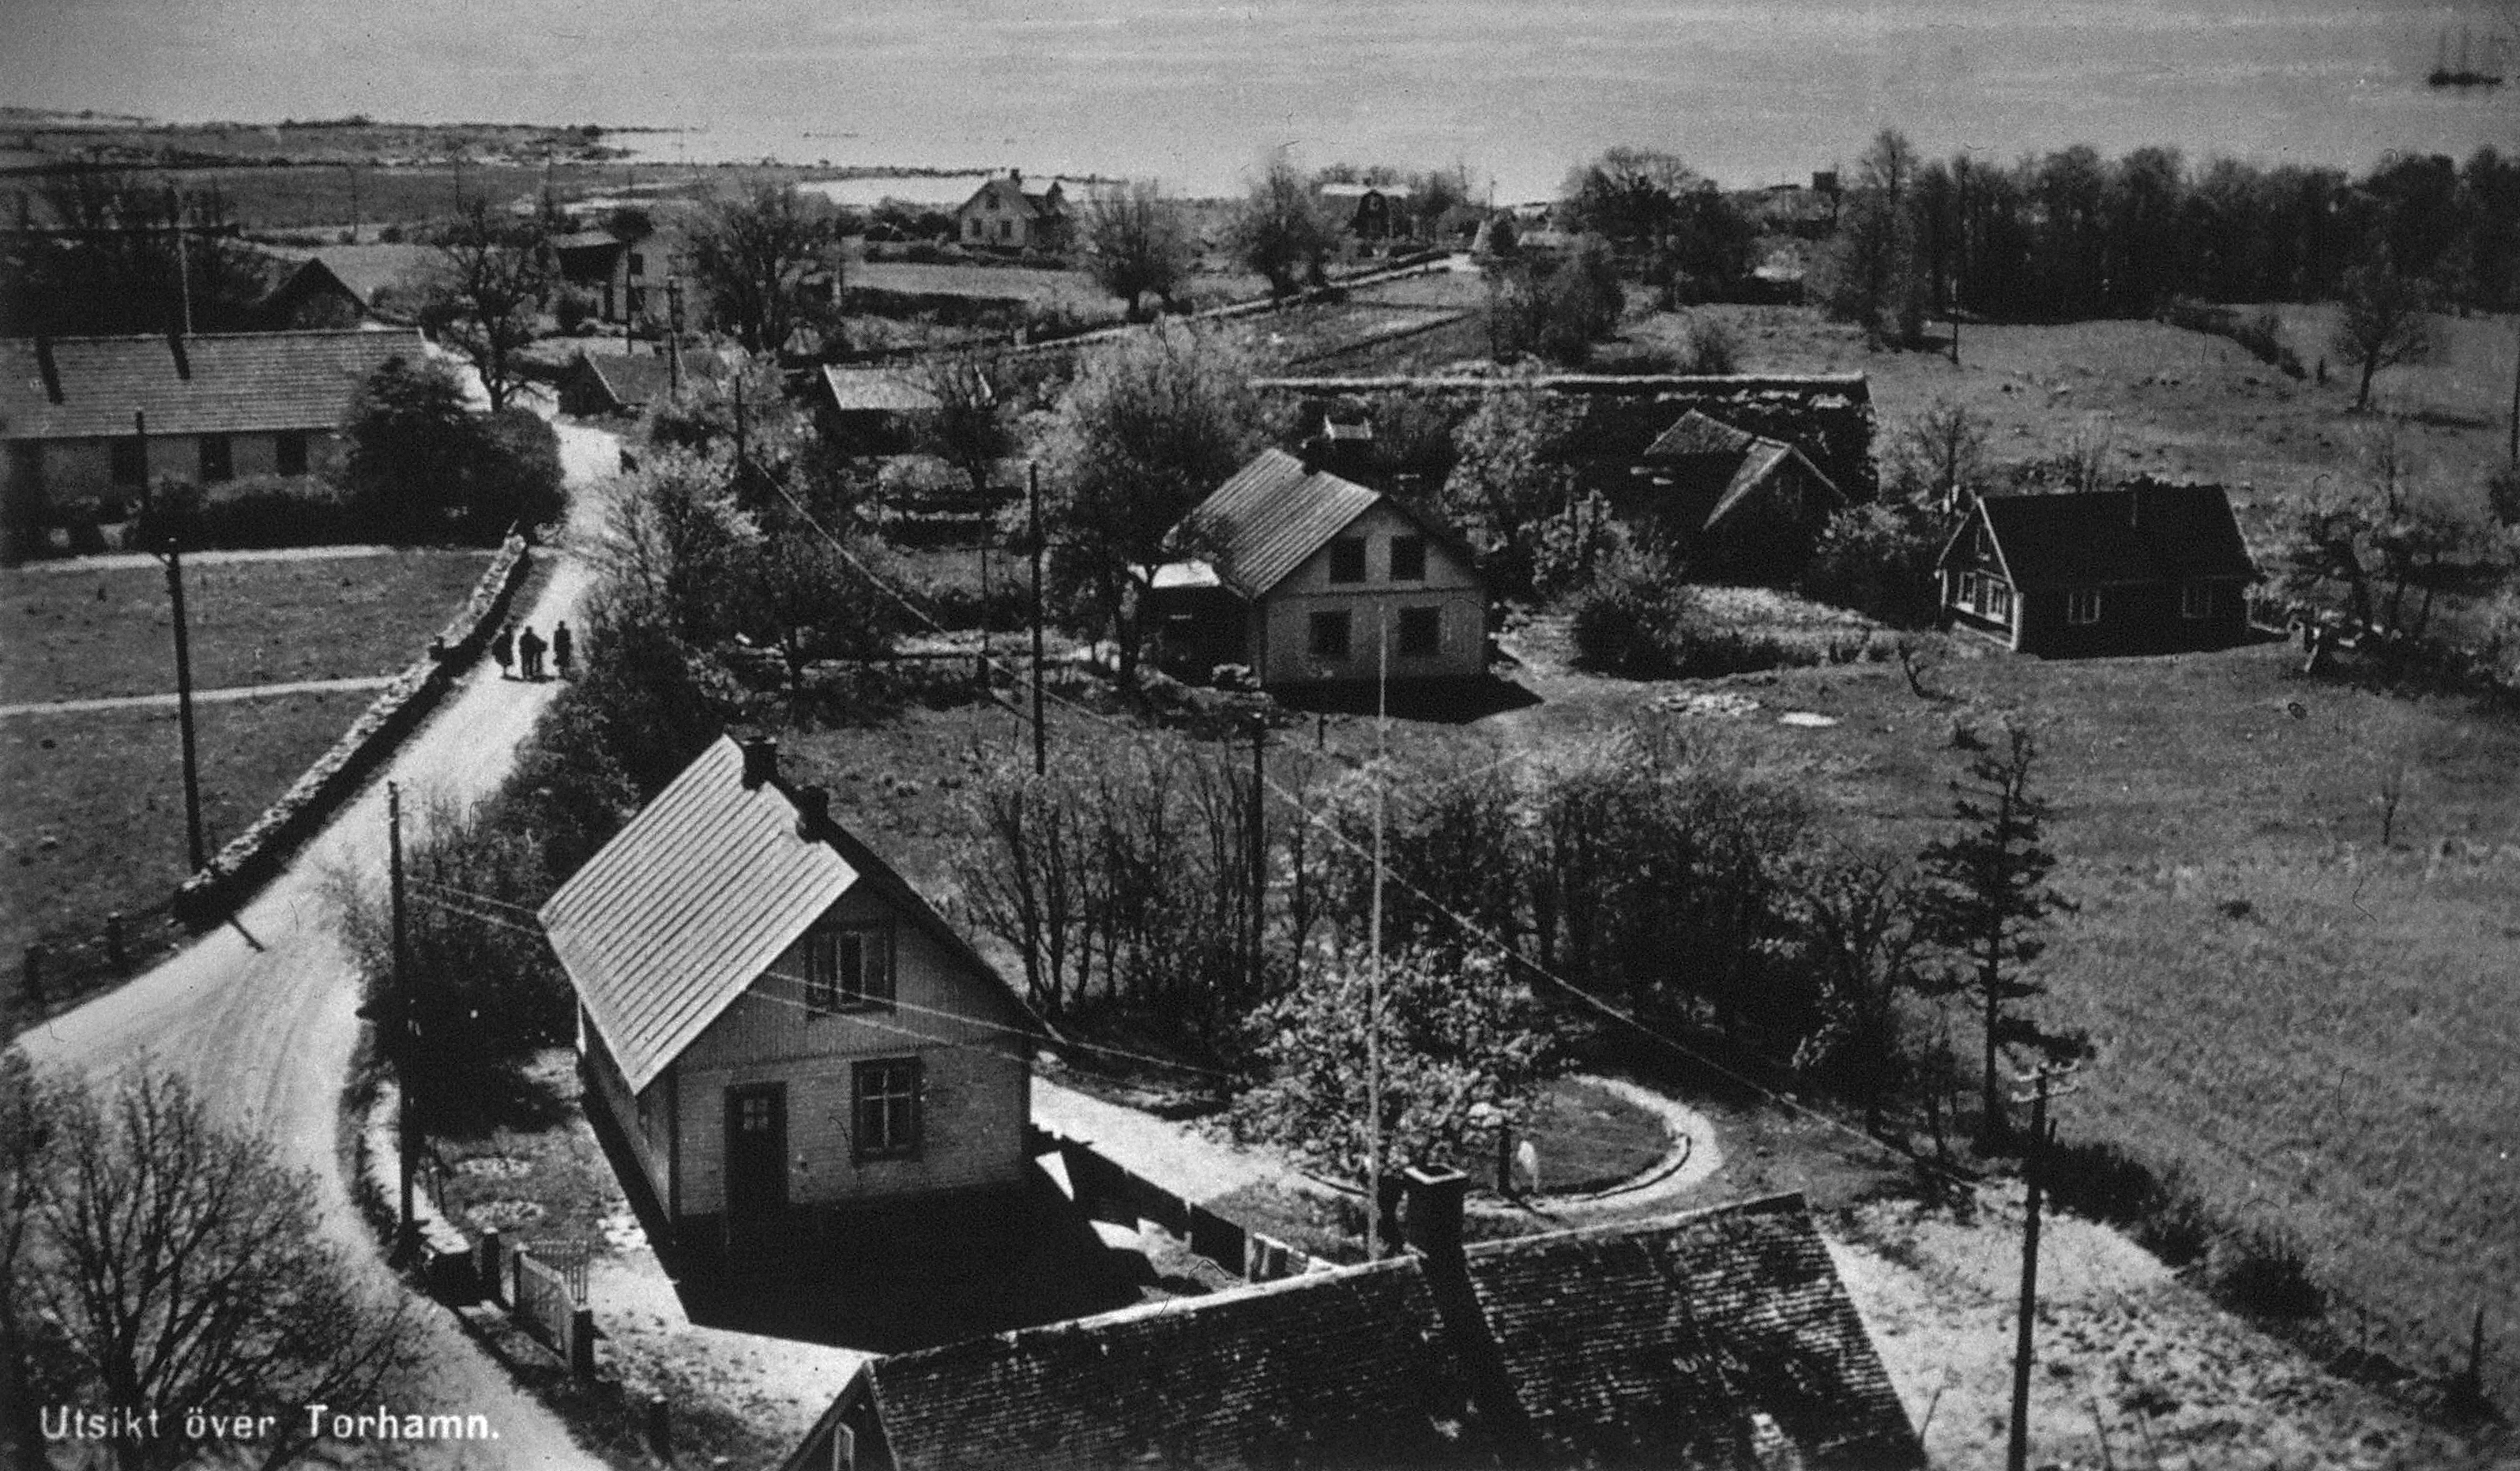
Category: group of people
[525,651]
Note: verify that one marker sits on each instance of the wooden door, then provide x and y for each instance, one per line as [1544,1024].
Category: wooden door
[756,1151]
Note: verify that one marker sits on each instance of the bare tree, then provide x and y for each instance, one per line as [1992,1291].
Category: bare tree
[2384,318]
[175,1263]
[1278,230]
[769,259]
[1944,445]
[971,429]
[1136,242]
[484,290]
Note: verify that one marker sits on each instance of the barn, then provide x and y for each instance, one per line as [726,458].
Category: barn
[774,1022]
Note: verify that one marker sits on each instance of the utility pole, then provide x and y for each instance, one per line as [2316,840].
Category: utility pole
[980,666]
[1373,946]
[2016,1456]
[409,1022]
[1040,712]
[1259,839]
[2515,389]
[674,337]
[173,557]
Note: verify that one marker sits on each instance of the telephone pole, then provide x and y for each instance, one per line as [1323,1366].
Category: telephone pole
[1040,712]
[172,555]
[408,1024]
[1259,839]
[1374,947]
[2016,1456]
[674,337]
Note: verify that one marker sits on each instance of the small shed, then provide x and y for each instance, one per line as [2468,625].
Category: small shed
[2150,567]
[872,411]
[774,1021]
[1308,577]
[1741,505]
[598,385]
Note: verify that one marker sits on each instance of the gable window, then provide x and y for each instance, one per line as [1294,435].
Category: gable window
[129,461]
[1421,631]
[887,1112]
[1409,558]
[288,452]
[1347,560]
[2083,606]
[2195,599]
[848,965]
[218,459]
[1330,636]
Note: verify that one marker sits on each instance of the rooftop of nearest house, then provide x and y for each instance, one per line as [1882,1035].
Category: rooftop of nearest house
[214,383]
[675,917]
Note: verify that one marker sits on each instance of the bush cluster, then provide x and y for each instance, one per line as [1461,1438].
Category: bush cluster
[1637,619]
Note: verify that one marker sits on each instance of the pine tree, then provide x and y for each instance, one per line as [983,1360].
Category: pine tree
[1986,896]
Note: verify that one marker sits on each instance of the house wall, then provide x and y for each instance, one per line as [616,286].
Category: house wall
[644,1129]
[72,468]
[1283,620]
[2141,617]
[976,1095]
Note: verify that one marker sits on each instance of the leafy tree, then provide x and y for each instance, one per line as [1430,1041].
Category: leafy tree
[1136,242]
[1153,424]
[1875,275]
[422,465]
[810,598]
[1463,1051]
[1629,619]
[1879,558]
[674,548]
[1280,231]
[2384,318]
[1553,309]
[1854,919]
[174,1263]
[1984,899]
[1509,472]
[484,292]
[974,427]
[768,258]
[1628,195]
[516,477]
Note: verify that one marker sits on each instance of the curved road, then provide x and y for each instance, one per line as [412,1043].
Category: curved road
[261,1014]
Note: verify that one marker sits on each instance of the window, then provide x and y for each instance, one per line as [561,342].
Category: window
[848,965]
[637,296]
[218,459]
[1347,560]
[2083,606]
[2196,600]
[1409,558]
[288,452]
[1421,631]
[1998,600]
[1330,636]
[638,264]
[888,1108]
[130,461]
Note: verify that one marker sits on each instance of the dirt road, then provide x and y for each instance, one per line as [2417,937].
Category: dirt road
[261,1014]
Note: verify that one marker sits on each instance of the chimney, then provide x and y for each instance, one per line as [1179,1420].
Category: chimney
[48,367]
[760,760]
[1014,176]
[1432,1214]
[183,362]
[813,811]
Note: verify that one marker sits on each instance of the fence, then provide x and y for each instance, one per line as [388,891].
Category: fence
[550,1299]
[1107,1191]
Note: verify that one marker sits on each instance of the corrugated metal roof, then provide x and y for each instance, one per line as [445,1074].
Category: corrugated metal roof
[1270,518]
[877,391]
[677,916]
[225,383]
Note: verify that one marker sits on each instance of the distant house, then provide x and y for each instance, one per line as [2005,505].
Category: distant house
[1705,1342]
[348,285]
[596,384]
[214,407]
[1008,213]
[2149,568]
[1741,504]
[1308,577]
[623,279]
[872,411]
[774,1021]
[1368,211]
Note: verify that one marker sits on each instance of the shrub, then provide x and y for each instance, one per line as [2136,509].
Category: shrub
[1627,621]
[2264,1273]
[260,510]
[2102,1181]
[1713,348]
[572,309]
[1878,559]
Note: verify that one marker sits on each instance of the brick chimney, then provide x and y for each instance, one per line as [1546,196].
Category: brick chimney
[813,811]
[183,360]
[1432,1206]
[760,760]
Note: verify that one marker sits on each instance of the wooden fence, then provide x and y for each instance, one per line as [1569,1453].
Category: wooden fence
[1108,1191]
[550,1299]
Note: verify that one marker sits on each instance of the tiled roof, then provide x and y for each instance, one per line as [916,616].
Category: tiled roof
[2147,531]
[222,383]
[877,391]
[690,902]
[1266,521]
[1694,433]
[1345,1368]
[1690,1341]
[636,380]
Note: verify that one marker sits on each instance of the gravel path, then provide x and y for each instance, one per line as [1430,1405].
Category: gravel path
[200,697]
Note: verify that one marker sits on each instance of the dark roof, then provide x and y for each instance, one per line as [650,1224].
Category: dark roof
[1687,1340]
[1694,433]
[366,270]
[1015,194]
[221,383]
[877,391]
[675,917]
[1758,470]
[636,380]
[1339,1369]
[2147,531]
[1275,513]
[587,240]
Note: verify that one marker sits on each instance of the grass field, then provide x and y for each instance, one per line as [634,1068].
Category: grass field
[94,634]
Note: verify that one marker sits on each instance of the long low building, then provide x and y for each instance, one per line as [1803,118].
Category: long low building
[106,416]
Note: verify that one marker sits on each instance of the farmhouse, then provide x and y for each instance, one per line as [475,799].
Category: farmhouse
[1739,504]
[774,1021]
[1307,577]
[598,383]
[1009,214]
[1718,1339]
[109,416]
[2148,567]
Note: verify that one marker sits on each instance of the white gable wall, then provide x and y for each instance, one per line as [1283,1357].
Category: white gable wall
[1283,618]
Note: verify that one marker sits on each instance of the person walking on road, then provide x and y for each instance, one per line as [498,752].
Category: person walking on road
[503,647]
[529,652]
[561,646]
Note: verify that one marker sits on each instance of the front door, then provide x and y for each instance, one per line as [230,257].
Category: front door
[756,1151]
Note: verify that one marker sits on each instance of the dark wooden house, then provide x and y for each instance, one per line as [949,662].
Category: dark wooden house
[2146,568]
[1741,506]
